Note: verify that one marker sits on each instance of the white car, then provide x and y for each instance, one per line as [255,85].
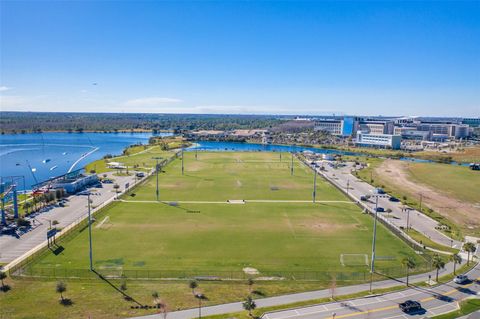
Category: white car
[460,279]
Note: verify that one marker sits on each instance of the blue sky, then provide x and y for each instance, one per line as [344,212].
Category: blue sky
[372,58]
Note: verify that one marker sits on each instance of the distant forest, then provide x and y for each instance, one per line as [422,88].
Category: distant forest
[27,122]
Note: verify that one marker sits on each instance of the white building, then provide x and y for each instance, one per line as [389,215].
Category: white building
[379,140]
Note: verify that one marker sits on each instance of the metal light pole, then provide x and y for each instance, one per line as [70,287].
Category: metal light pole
[196,151]
[408,218]
[156,169]
[291,166]
[280,156]
[314,184]
[372,263]
[348,185]
[421,197]
[182,160]
[90,231]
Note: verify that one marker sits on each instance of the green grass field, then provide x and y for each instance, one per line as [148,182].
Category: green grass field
[463,183]
[220,176]
[210,238]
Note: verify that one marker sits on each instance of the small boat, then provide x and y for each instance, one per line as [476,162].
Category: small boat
[53,167]
[45,161]
[18,164]
[34,169]
[64,153]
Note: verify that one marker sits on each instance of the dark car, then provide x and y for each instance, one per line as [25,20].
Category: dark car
[393,199]
[363,198]
[410,306]
[380,209]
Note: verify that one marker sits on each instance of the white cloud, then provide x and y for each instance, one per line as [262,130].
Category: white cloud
[151,102]
[4,88]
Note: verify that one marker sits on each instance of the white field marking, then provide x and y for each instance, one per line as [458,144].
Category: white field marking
[107,218]
[290,226]
[226,202]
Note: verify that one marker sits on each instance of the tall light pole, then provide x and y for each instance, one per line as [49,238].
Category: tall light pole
[280,156]
[90,231]
[156,170]
[348,185]
[408,218]
[291,166]
[372,263]
[314,184]
[196,151]
[421,197]
[182,160]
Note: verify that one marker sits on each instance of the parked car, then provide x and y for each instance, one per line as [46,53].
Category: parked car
[460,279]
[380,209]
[410,306]
[393,199]
[379,191]
[363,198]
[140,174]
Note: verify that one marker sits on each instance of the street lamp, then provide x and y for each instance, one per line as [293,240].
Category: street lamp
[291,166]
[372,263]
[314,184]
[90,231]
[156,169]
[182,160]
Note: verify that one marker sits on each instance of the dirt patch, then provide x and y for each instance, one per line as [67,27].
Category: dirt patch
[239,183]
[462,213]
[323,228]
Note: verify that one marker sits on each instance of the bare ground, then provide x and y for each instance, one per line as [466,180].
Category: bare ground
[460,212]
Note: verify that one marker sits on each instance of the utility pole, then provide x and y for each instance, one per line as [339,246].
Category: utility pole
[408,218]
[291,166]
[156,170]
[280,156]
[90,231]
[196,151]
[182,160]
[348,185]
[372,263]
[421,198]
[314,184]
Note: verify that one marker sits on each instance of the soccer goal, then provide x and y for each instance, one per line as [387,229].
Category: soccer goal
[354,260]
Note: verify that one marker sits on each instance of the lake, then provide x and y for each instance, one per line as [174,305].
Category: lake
[40,156]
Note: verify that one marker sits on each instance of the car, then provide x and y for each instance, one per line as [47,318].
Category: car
[380,209]
[460,279]
[393,199]
[379,191]
[410,306]
[140,174]
[363,198]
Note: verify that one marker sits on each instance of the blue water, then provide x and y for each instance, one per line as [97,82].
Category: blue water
[236,146]
[63,150]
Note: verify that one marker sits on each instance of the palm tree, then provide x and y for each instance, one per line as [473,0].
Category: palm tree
[408,263]
[438,264]
[249,305]
[193,285]
[156,298]
[250,283]
[3,276]
[61,288]
[456,259]
[470,249]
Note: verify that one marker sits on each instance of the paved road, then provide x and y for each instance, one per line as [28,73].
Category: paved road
[319,294]
[12,247]
[342,177]
[435,301]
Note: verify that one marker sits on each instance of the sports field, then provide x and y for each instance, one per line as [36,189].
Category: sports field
[275,235]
